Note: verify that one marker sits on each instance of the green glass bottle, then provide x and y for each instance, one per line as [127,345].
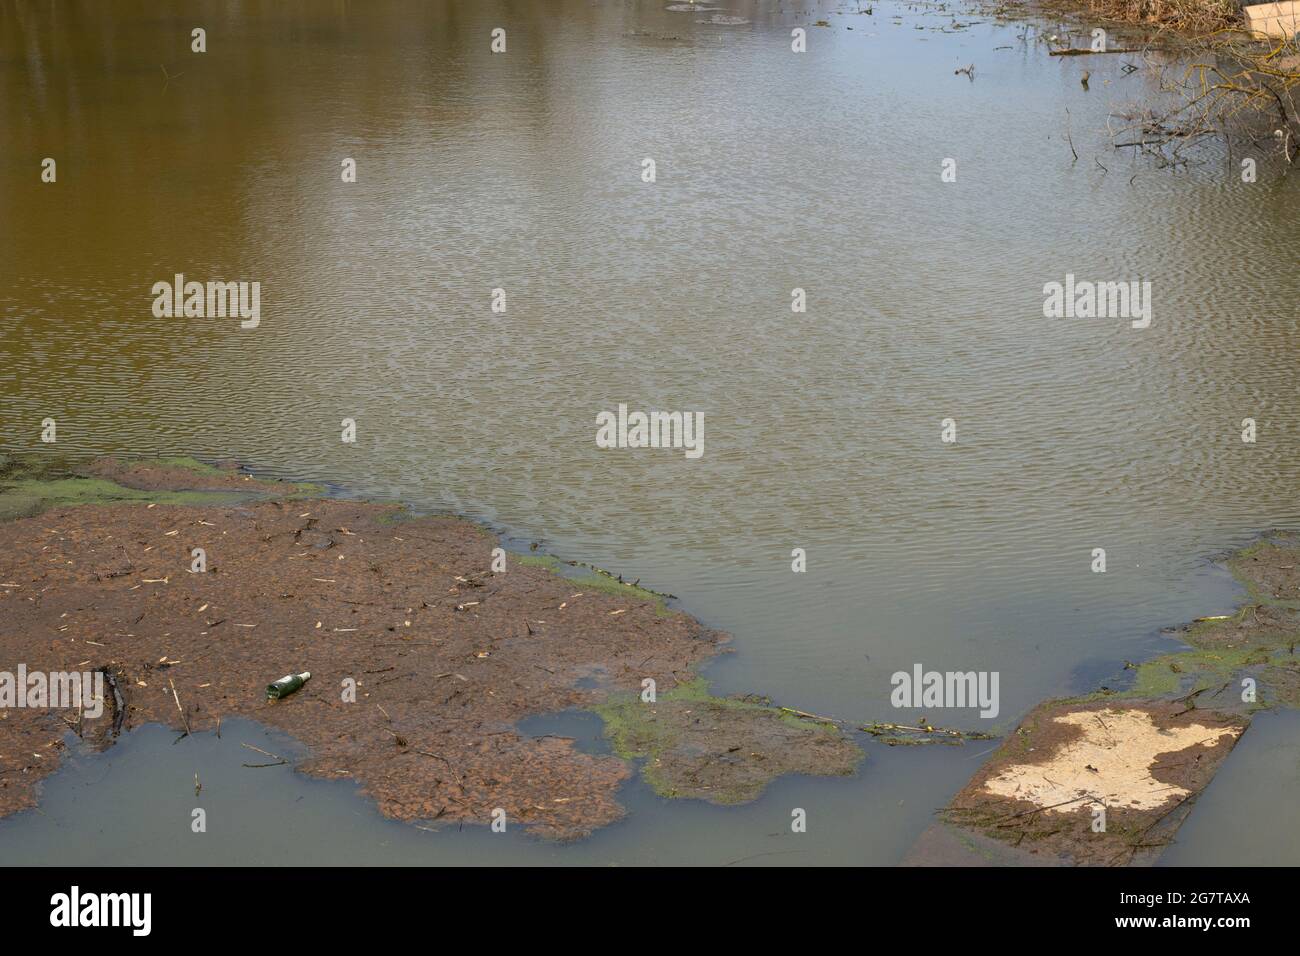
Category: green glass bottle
[286,685]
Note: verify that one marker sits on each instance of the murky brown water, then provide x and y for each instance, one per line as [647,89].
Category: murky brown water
[821,171]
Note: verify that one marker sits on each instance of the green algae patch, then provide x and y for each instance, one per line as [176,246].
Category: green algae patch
[184,463]
[905,735]
[1215,678]
[396,515]
[539,561]
[25,498]
[1246,660]
[725,750]
[592,578]
[1189,671]
[607,584]
[32,484]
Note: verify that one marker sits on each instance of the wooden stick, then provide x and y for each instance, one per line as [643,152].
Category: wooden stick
[261,751]
[177,697]
[1081,51]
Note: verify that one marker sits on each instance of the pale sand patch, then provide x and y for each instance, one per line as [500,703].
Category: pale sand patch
[1121,746]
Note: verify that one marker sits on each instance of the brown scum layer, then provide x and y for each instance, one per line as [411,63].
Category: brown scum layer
[446,656]
[1064,827]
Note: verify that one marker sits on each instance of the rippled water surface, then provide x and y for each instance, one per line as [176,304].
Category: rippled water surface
[774,171]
